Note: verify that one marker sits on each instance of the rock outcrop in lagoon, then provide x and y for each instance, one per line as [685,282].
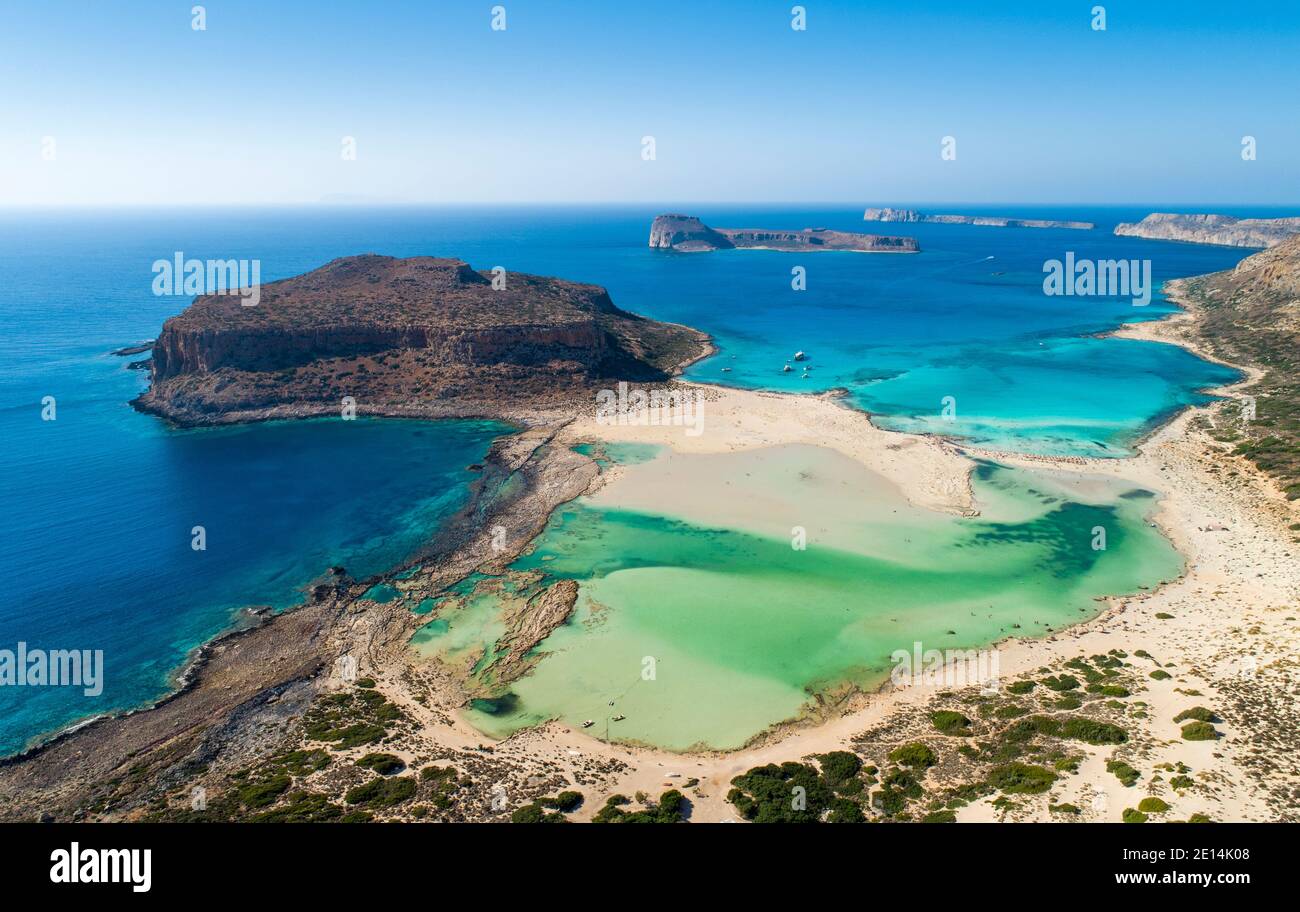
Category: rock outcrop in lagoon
[687,234]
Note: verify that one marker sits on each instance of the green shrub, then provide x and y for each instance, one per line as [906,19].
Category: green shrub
[1108,690]
[1075,728]
[670,808]
[1197,713]
[1021,687]
[565,801]
[1199,731]
[1021,778]
[914,754]
[1131,815]
[840,766]
[1152,805]
[528,813]
[1092,731]
[535,813]
[301,807]
[384,764]
[263,792]
[301,762]
[845,811]
[1123,772]
[381,793]
[766,794]
[948,722]
[1060,683]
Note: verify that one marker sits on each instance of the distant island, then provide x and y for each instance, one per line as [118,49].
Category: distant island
[420,337]
[1223,230]
[993,221]
[687,234]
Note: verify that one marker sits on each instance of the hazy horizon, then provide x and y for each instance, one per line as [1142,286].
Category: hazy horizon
[262,106]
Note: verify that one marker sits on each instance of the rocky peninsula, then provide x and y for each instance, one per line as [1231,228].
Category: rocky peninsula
[323,713]
[1223,230]
[421,337]
[687,234]
[993,221]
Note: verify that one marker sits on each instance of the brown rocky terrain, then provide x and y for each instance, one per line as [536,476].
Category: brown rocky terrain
[1250,314]
[1224,230]
[687,234]
[258,692]
[993,221]
[418,337]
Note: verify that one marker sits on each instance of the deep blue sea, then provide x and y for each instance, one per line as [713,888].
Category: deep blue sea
[99,504]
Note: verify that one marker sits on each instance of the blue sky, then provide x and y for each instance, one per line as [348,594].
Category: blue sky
[144,110]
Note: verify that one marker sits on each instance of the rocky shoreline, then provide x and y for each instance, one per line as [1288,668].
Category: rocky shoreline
[687,234]
[992,221]
[1221,230]
[252,694]
[421,337]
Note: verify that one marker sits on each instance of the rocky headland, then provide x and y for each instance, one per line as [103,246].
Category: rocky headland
[421,337]
[993,221]
[1250,314]
[687,234]
[1223,230]
[272,726]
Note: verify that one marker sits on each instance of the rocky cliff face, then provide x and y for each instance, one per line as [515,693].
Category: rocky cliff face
[1263,292]
[419,337]
[687,234]
[1250,314]
[891,215]
[1224,230]
[994,221]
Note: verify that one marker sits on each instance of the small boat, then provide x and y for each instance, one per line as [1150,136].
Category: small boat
[787,369]
[620,717]
[799,356]
[588,724]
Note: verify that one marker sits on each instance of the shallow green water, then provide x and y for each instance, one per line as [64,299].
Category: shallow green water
[705,636]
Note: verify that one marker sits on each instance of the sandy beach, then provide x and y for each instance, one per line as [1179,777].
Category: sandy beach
[1222,635]
[1226,630]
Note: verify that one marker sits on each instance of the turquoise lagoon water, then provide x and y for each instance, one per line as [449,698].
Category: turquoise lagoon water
[742,629]
[99,504]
